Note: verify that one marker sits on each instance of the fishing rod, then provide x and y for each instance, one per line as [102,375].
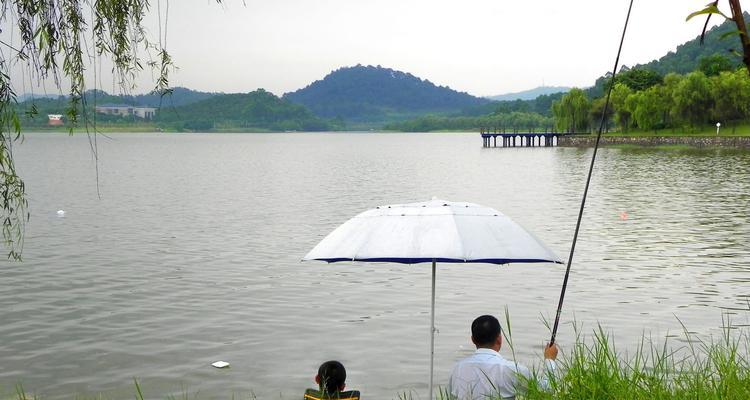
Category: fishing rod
[588,179]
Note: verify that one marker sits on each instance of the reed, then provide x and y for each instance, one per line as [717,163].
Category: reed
[593,368]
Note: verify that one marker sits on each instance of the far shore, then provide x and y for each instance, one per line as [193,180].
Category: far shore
[690,141]
[704,138]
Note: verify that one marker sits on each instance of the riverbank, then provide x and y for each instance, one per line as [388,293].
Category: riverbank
[592,367]
[741,142]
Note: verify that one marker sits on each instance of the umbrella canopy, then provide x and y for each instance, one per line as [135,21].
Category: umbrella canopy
[432,231]
[435,230]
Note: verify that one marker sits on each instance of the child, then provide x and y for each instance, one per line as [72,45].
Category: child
[331,380]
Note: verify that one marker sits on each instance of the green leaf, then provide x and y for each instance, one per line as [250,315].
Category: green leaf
[708,10]
[728,34]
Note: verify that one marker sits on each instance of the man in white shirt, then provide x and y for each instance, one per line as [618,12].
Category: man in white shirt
[486,374]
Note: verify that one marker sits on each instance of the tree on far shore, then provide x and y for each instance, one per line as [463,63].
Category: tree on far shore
[572,111]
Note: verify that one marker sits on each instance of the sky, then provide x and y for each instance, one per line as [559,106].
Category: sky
[483,47]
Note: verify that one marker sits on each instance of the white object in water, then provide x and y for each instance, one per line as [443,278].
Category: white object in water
[220,364]
[60,213]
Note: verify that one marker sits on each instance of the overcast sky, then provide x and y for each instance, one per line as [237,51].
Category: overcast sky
[484,47]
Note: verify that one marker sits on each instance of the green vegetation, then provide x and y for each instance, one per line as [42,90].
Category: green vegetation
[259,111]
[540,105]
[686,92]
[686,102]
[593,368]
[739,129]
[55,39]
[688,56]
[377,94]
[496,120]
[249,112]
[572,111]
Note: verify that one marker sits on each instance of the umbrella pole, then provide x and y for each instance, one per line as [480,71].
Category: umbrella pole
[432,329]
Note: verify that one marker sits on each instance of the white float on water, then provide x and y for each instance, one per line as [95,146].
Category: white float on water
[60,213]
[220,364]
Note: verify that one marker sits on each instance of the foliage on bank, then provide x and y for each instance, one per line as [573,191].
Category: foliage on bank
[593,368]
[258,110]
[510,120]
[687,101]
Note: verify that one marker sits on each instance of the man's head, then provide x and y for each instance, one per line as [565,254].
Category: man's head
[485,332]
[331,377]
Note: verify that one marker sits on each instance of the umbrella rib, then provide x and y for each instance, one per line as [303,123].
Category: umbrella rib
[362,244]
[458,234]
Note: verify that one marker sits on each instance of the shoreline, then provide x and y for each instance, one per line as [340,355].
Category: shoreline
[736,142]
[577,141]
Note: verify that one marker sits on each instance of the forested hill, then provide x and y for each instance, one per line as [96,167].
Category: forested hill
[367,93]
[530,94]
[178,96]
[258,110]
[688,55]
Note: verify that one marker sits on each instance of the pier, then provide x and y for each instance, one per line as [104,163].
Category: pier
[516,138]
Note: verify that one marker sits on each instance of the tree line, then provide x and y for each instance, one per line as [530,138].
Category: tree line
[651,102]
[515,119]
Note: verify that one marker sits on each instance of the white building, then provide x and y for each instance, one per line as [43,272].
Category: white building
[126,110]
[54,119]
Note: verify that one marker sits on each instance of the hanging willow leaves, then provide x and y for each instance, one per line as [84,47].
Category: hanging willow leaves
[739,19]
[51,44]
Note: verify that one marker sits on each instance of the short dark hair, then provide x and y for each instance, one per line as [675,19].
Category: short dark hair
[485,330]
[332,375]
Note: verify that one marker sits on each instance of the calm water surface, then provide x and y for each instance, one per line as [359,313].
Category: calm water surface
[191,255]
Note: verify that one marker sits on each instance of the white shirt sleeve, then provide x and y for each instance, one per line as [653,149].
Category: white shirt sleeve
[550,366]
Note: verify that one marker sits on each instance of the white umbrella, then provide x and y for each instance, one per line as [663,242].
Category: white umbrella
[432,231]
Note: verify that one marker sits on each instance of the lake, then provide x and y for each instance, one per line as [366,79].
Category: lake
[190,254]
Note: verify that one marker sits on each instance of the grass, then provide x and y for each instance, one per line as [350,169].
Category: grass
[717,368]
[593,368]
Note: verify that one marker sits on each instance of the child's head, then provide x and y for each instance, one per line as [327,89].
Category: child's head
[331,377]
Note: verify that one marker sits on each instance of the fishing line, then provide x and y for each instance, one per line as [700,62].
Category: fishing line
[588,179]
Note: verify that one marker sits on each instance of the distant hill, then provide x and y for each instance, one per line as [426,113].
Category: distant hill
[530,94]
[687,55]
[258,110]
[179,96]
[686,58]
[367,93]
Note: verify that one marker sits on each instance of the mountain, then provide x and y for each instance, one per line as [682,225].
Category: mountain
[258,110]
[179,96]
[367,93]
[530,94]
[687,56]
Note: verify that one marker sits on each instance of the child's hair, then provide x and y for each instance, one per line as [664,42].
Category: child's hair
[332,376]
